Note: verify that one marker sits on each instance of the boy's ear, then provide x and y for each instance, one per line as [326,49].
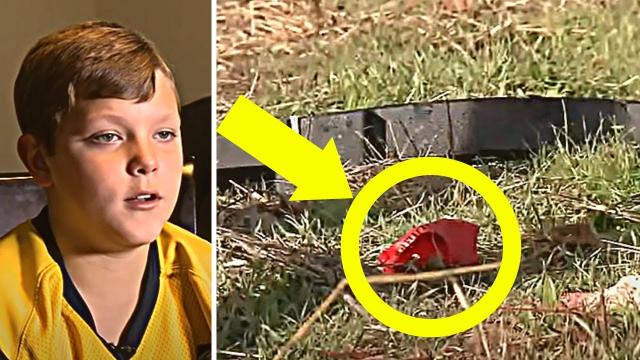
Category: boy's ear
[31,153]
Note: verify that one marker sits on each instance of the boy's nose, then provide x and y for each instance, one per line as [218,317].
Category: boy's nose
[143,161]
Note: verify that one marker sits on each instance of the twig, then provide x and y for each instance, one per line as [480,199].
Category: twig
[623,246]
[306,326]
[239,187]
[253,23]
[356,306]
[237,354]
[407,133]
[465,303]
[253,84]
[503,339]
[542,310]
[604,315]
[431,275]
[370,145]
[377,280]
[589,205]
[399,154]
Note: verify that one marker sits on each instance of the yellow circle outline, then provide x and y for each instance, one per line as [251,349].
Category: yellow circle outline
[350,247]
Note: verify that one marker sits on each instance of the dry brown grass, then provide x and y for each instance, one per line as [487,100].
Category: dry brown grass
[257,40]
[271,280]
[250,29]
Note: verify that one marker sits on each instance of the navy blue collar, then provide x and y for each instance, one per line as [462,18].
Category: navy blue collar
[133,333]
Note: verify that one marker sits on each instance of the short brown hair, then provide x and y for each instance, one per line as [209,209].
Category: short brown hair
[90,60]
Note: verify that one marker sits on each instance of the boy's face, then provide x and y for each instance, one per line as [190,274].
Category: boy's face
[117,167]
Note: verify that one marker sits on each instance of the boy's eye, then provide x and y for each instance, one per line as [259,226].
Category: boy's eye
[106,138]
[166,135]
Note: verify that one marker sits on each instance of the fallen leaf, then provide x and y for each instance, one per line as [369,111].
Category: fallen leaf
[574,300]
[626,292]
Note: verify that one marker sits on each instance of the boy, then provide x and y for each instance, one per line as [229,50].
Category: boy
[100,273]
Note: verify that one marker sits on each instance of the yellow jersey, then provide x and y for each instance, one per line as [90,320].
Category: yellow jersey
[42,315]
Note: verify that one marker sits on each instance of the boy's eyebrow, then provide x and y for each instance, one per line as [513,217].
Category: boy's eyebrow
[123,120]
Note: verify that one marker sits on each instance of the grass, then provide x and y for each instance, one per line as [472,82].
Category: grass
[272,278]
[274,302]
[554,48]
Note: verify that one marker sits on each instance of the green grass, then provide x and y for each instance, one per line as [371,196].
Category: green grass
[272,280]
[538,48]
[270,300]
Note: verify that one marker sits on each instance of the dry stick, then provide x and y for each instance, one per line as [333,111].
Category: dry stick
[370,145]
[377,280]
[604,315]
[585,204]
[503,339]
[253,84]
[394,140]
[431,275]
[542,310]
[465,303]
[306,326]
[356,306]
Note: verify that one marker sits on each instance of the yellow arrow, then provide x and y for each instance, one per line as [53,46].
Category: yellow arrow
[316,173]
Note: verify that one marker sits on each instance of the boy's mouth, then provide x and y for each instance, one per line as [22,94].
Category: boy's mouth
[143,197]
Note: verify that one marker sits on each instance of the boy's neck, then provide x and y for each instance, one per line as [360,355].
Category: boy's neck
[108,282]
[110,286]
[91,264]
[117,269]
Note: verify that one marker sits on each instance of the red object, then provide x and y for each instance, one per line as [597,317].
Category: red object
[453,242]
